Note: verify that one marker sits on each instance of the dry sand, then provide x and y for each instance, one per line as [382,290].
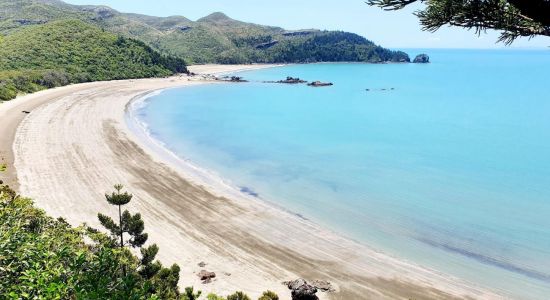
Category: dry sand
[76,143]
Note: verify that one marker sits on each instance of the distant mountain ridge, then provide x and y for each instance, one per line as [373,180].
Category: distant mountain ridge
[215,38]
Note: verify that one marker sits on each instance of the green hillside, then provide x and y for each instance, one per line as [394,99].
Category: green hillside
[71,51]
[212,39]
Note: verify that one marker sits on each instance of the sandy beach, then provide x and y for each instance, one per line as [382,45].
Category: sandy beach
[77,142]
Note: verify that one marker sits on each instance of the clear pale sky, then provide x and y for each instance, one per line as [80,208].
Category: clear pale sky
[391,29]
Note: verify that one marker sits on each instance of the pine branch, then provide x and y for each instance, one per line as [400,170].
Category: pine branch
[109,224]
[515,18]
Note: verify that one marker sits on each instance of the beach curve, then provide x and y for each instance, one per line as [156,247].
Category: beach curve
[75,144]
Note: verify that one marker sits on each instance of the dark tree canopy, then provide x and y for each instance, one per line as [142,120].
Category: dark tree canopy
[515,18]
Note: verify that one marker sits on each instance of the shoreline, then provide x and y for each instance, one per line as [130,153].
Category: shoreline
[193,172]
[91,147]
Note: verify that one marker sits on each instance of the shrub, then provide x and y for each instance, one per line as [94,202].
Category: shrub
[238,296]
[269,295]
[8,90]
[46,258]
[190,294]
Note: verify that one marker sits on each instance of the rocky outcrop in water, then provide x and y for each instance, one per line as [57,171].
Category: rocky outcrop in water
[233,79]
[421,59]
[319,84]
[291,80]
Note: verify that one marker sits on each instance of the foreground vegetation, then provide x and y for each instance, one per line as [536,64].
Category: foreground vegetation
[71,51]
[46,258]
[212,39]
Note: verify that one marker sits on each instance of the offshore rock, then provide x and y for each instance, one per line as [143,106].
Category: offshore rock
[319,84]
[421,59]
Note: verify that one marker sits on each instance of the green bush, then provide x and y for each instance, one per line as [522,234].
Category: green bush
[190,294]
[8,90]
[46,258]
[269,295]
[238,296]
[214,297]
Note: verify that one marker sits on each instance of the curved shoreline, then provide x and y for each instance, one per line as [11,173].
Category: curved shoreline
[192,171]
[90,147]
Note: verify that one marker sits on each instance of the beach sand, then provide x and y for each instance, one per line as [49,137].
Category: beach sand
[77,143]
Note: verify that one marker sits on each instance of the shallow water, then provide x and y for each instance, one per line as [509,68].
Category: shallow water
[445,164]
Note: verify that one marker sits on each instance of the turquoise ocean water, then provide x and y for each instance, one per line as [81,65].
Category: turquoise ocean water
[445,164]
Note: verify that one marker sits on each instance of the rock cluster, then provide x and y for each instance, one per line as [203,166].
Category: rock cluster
[237,79]
[421,59]
[323,285]
[206,276]
[301,290]
[292,80]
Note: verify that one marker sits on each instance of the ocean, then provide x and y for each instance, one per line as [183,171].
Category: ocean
[444,164]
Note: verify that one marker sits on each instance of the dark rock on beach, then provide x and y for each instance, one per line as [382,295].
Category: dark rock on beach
[301,290]
[421,59]
[206,276]
[323,285]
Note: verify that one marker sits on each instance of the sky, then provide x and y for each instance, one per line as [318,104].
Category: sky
[394,29]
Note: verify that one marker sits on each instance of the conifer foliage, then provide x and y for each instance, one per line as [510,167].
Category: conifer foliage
[131,225]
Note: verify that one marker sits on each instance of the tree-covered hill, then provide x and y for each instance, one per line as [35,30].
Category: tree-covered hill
[72,51]
[212,39]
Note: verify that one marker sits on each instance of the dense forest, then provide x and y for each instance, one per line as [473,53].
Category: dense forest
[326,46]
[71,51]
